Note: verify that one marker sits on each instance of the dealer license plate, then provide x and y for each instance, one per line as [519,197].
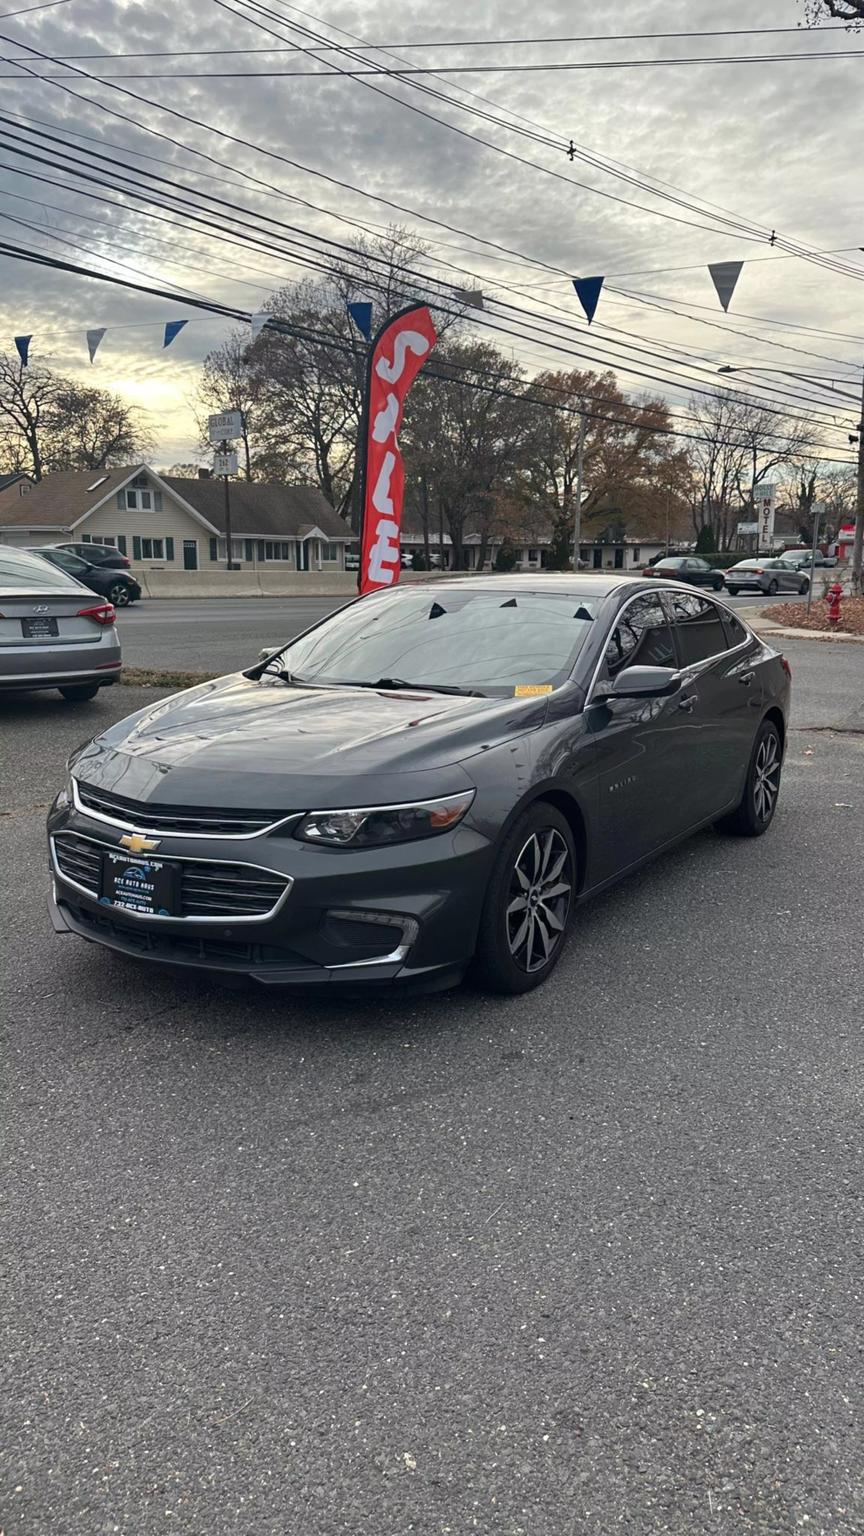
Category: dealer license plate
[39,629]
[148,886]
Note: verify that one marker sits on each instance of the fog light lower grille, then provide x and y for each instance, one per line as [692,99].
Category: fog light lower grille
[395,945]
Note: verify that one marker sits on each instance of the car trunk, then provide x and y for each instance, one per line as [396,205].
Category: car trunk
[50,617]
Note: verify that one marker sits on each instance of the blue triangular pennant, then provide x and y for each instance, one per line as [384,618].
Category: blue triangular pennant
[172,329]
[588,293]
[724,276]
[361,314]
[23,345]
[93,339]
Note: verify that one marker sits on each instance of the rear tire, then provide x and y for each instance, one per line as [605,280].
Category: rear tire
[733,591]
[79,693]
[804,588]
[755,812]
[529,901]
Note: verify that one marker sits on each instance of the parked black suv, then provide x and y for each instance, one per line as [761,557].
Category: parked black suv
[118,586]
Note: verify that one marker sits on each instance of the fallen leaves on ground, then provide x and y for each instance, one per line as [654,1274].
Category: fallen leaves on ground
[794,616]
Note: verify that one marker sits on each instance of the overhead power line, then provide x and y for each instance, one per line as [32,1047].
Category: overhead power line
[256,181]
[18,253]
[114,174]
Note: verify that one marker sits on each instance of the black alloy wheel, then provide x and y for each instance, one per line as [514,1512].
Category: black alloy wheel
[773,587]
[717,583]
[754,814]
[733,591]
[119,594]
[528,902]
[804,588]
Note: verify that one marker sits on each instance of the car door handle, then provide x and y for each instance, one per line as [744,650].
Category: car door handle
[746,679]
[687,702]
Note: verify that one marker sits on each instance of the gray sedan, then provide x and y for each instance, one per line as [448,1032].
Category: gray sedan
[767,576]
[54,633]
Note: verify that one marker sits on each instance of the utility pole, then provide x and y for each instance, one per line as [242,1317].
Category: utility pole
[577,510]
[858,542]
[225,449]
[817,518]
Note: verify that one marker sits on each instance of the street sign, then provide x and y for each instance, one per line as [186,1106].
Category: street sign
[226,426]
[224,463]
[748,528]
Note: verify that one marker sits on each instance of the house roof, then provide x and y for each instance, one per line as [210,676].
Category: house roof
[278,511]
[64,500]
[61,500]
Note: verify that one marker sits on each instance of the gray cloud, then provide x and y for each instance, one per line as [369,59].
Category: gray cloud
[776,143]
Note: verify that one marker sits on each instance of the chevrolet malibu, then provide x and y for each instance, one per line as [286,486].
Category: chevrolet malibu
[431,779]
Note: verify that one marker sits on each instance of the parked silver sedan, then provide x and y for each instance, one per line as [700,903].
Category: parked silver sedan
[767,576]
[54,633]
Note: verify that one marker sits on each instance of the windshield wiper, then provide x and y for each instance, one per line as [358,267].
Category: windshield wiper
[400,683]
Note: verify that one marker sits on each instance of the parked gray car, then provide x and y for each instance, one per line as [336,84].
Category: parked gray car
[802,559]
[54,632]
[768,576]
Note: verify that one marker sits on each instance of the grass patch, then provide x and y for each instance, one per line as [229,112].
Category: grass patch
[151,677]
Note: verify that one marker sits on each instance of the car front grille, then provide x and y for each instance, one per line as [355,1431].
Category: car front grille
[183,948]
[174,818]
[208,891]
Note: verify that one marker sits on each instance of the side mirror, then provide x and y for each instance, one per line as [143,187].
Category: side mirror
[268,650]
[642,683]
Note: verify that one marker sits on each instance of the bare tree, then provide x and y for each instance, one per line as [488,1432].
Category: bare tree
[88,428]
[229,383]
[27,398]
[840,10]
[741,444]
[48,422]
[466,428]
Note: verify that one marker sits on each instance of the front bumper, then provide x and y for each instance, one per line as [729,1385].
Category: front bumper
[406,914]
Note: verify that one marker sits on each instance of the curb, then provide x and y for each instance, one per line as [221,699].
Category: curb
[808,634]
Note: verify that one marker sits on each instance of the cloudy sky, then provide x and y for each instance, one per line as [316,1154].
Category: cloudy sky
[759,146]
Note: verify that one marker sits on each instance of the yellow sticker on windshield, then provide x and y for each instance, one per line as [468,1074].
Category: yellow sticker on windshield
[531,690]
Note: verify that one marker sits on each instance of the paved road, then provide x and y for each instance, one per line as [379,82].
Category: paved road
[582,1262]
[221,634]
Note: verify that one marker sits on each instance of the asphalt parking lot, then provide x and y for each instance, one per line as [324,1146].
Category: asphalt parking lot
[584,1261]
[219,634]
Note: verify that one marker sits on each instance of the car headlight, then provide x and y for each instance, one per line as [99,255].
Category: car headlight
[374,826]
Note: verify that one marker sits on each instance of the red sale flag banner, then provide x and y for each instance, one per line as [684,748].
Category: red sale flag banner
[395,359]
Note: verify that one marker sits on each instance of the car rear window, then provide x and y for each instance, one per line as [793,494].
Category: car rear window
[18,568]
[698,626]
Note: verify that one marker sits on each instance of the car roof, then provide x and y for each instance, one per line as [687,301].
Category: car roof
[579,583]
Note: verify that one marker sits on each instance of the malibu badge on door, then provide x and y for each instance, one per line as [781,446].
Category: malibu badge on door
[147,886]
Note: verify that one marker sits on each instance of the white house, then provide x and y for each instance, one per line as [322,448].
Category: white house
[165,523]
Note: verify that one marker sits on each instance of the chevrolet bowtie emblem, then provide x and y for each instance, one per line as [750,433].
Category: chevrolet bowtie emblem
[136,843]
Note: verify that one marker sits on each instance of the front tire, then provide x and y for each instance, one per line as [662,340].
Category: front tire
[119,595]
[804,588]
[79,693]
[528,903]
[755,812]
[773,587]
[718,585]
[733,591]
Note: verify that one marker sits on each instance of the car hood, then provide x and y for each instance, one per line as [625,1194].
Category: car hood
[238,742]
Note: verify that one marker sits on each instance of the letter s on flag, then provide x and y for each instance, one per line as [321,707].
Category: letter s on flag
[396,357]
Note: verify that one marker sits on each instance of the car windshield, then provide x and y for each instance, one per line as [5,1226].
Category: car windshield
[18,568]
[493,641]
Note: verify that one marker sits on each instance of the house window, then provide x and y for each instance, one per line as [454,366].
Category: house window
[152,549]
[278,549]
[85,538]
[236,549]
[329,551]
[636,554]
[140,497]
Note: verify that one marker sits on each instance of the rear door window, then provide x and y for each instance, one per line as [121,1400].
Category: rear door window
[736,634]
[698,627]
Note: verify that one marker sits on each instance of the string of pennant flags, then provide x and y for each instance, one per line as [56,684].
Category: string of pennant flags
[724,275]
